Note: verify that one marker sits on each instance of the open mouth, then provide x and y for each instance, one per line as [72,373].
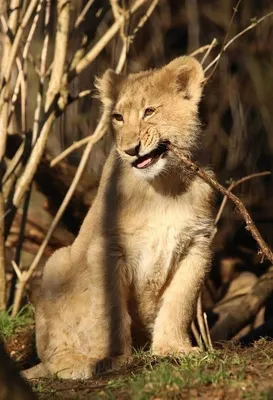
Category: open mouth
[152,157]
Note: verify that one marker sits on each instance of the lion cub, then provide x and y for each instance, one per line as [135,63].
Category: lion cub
[141,256]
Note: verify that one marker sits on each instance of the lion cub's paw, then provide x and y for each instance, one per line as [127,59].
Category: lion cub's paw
[167,350]
[111,364]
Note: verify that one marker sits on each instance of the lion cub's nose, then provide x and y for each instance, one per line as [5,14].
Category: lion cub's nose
[133,151]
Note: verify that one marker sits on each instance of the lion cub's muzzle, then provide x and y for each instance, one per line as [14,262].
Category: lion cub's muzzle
[151,158]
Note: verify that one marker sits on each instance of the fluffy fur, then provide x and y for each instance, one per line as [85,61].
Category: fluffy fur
[138,264]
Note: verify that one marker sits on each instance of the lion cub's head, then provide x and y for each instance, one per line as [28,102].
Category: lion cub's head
[151,109]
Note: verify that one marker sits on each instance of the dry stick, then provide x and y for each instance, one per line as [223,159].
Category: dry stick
[14,48]
[83,13]
[70,149]
[235,10]
[234,320]
[233,186]
[16,159]
[53,90]
[144,19]
[16,90]
[13,12]
[196,335]
[39,99]
[210,347]
[56,79]
[202,49]
[100,45]
[116,10]
[250,226]
[12,25]
[14,162]
[210,47]
[251,26]
[200,320]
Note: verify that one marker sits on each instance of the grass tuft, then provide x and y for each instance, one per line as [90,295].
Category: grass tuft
[8,324]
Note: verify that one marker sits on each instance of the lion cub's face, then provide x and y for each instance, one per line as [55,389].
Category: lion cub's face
[151,109]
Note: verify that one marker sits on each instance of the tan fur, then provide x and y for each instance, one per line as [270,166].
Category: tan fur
[139,261]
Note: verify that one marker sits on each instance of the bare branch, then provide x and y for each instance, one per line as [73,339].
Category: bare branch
[14,48]
[116,10]
[200,320]
[53,90]
[251,26]
[207,48]
[144,19]
[55,83]
[39,99]
[210,47]
[235,10]
[250,226]
[100,45]
[233,186]
[82,15]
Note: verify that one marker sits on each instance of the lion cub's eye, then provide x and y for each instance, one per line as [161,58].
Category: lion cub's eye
[148,112]
[117,117]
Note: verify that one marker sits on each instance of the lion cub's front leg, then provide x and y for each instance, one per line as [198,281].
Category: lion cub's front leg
[171,333]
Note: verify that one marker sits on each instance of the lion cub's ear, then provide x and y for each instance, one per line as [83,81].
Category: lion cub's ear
[108,87]
[188,76]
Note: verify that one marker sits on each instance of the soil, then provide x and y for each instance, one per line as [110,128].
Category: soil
[255,382]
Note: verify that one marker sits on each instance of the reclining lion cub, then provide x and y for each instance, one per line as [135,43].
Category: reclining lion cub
[139,261]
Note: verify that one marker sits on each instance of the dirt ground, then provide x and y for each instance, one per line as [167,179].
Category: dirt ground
[228,372]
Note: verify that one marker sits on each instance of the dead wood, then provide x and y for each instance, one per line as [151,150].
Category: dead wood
[239,314]
[250,225]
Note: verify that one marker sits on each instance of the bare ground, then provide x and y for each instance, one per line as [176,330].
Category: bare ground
[230,372]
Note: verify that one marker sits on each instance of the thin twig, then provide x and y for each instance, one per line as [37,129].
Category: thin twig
[196,335]
[235,10]
[83,13]
[233,186]
[14,48]
[200,320]
[56,78]
[210,47]
[250,226]
[202,49]
[70,149]
[251,26]
[144,19]
[16,269]
[116,10]
[19,247]
[205,318]
[53,90]
[100,45]
[42,72]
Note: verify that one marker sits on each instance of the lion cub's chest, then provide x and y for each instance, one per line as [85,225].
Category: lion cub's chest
[153,250]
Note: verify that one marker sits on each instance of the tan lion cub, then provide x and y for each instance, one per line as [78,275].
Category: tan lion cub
[139,261]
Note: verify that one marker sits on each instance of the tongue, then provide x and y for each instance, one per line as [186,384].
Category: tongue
[143,163]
